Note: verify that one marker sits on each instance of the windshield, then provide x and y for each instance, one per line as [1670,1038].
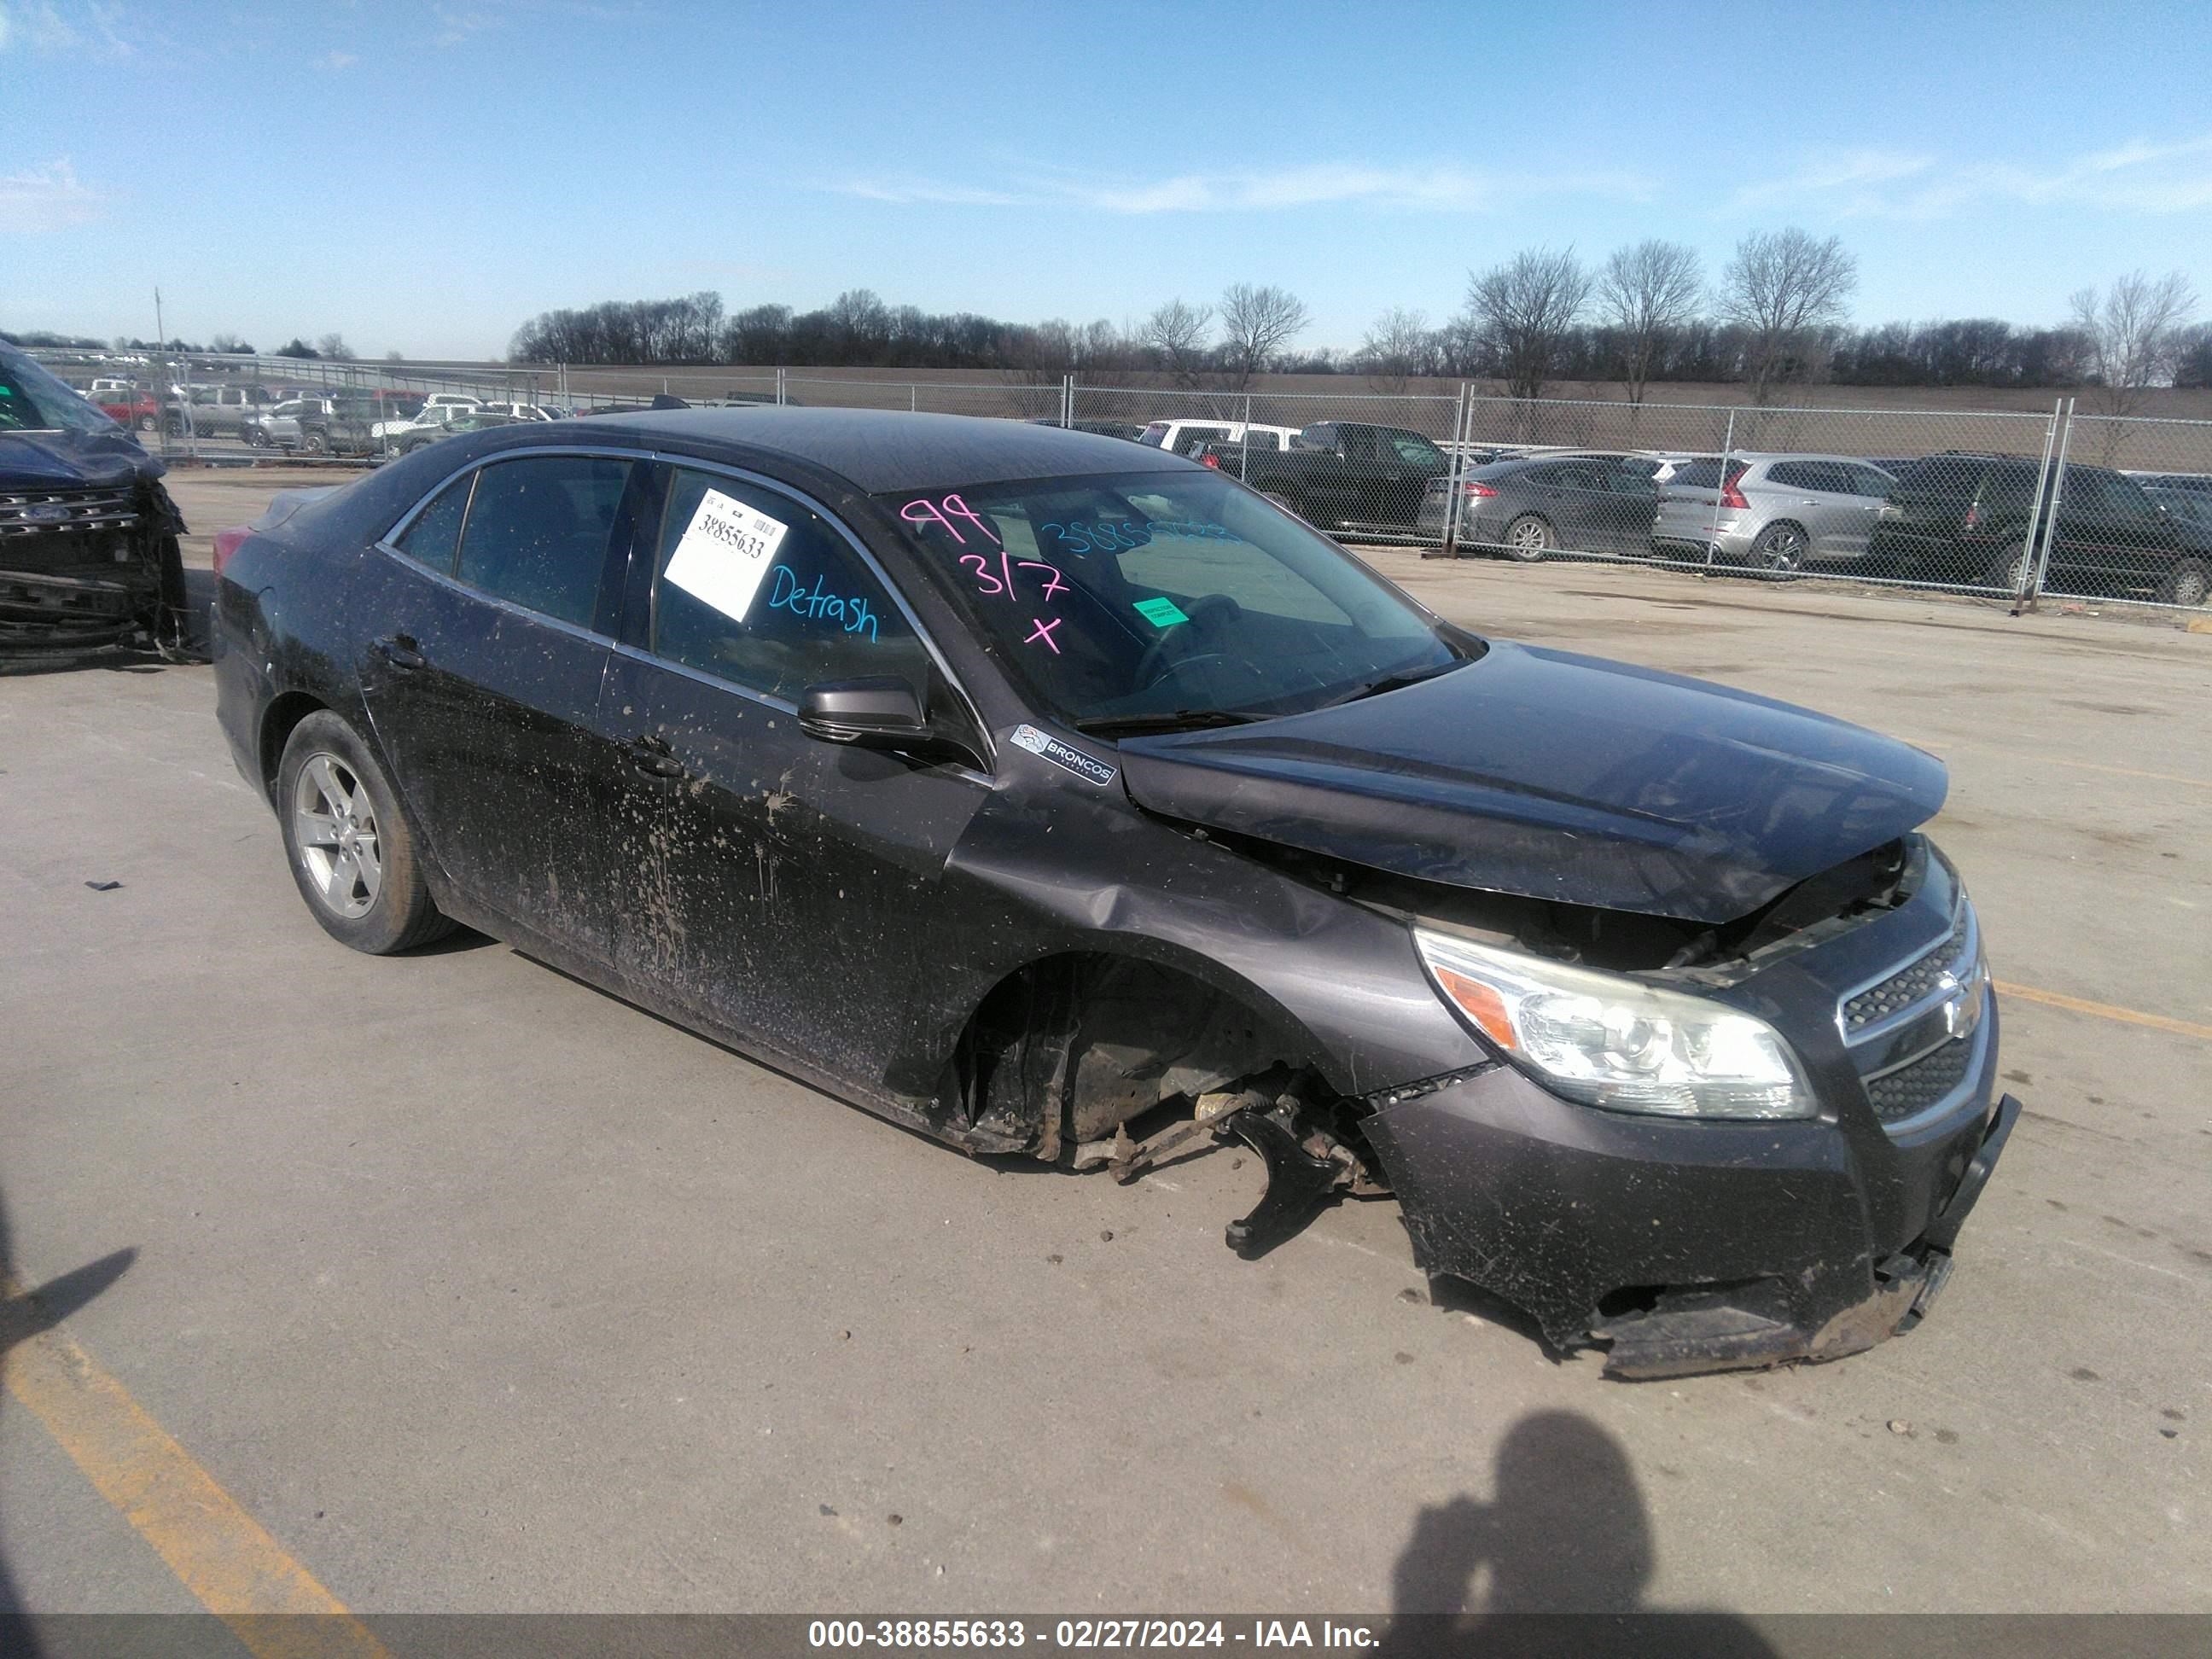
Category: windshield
[33,400]
[1149,597]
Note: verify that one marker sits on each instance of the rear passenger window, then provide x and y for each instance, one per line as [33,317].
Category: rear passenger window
[431,539]
[539,531]
[753,588]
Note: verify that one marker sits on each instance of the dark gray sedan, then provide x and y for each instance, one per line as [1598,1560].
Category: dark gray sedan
[1059,797]
[1526,508]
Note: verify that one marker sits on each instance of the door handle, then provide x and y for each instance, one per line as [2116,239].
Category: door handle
[653,757]
[400,651]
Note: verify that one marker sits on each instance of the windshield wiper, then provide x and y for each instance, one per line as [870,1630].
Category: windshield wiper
[1400,681]
[1179,719]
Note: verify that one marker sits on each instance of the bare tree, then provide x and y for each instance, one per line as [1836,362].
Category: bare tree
[1646,293]
[1781,289]
[1524,311]
[333,347]
[1177,333]
[1398,346]
[1256,322]
[2133,334]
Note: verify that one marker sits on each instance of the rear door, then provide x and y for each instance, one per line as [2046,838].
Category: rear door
[1631,503]
[488,618]
[1818,495]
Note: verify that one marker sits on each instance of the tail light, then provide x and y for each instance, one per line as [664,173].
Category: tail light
[1475,489]
[1973,517]
[1730,495]
[1212,459]
[228,542]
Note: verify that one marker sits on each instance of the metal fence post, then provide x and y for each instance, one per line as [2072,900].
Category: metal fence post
[1067,400]
[2029,542]
[780,398]
[1244,442]
[2041,561]
[914,398]
[1462,419]
[1720,488]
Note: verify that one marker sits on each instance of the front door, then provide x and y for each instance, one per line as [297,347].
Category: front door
[489,619]
[774,885]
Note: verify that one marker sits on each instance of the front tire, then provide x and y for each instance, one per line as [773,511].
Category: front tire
[1528,538]
[2010,569]
[351,852]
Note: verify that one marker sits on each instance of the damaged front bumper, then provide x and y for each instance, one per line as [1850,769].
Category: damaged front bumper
[1684,1247]
[85,569]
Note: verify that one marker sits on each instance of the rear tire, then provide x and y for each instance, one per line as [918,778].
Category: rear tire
[2009,571]
[1779,555]
[315,443]
[351,852]
[1528,538]
[2190,585]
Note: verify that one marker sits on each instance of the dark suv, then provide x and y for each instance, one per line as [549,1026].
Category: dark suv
[1963,518]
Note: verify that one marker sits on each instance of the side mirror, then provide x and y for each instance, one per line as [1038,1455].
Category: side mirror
[881,711]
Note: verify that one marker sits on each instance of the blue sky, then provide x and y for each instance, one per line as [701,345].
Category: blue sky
[426,176]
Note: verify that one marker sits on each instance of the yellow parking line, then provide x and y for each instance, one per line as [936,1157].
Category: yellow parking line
[219,1551]
[2105,1010]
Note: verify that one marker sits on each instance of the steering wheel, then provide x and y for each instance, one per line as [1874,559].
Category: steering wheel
[1153,667]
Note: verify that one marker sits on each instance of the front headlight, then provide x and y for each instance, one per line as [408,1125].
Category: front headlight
[1604,1040]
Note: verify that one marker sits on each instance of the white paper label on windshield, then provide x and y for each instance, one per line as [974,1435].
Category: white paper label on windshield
[726,553]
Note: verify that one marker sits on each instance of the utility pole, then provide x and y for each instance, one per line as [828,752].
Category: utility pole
[160,340]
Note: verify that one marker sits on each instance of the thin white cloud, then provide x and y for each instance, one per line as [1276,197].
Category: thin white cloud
[335,61]
[1441,189]
[46,199]
[2139,176]
[66,29]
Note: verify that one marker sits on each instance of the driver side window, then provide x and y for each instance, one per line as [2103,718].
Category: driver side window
[753,588]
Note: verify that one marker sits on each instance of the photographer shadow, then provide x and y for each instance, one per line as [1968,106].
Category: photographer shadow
[1564,1550]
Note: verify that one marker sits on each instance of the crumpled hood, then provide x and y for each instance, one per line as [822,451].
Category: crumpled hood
[38,459]
[1559,777]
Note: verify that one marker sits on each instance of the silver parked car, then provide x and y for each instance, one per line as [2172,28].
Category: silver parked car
[278,428]
[1774,512]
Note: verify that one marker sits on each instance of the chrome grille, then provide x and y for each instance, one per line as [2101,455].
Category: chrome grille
[1916,981]
[44,512]
[1911,1090]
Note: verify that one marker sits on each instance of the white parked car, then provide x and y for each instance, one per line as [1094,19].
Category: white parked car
[520,411]
[1184,436]
[437,409]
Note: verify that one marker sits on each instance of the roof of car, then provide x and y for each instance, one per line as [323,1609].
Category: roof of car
[882,450]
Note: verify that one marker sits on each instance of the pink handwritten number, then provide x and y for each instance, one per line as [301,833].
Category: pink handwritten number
[960,509]
[928,513]
[1052,582]
[923,512]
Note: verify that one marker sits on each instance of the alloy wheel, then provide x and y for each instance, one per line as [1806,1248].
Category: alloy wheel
[1785,549]
[334,830]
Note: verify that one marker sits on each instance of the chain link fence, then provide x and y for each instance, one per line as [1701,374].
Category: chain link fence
[2007,506]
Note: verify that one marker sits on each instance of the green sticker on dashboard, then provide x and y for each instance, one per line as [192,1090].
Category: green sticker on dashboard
[1161,613]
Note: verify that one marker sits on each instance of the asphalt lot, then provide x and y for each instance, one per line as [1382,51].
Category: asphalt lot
[476,1289]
